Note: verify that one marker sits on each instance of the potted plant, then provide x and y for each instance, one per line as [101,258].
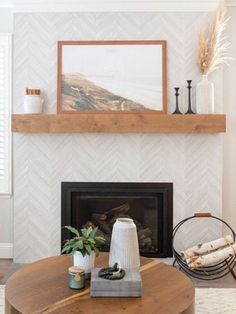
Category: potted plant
[83,247]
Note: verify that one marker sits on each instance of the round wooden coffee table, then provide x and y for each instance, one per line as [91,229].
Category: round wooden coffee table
[41,287]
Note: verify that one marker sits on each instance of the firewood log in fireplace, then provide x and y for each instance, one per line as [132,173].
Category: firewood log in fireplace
[124,208]
[138,224]
[144,238]
[88,224]
[120,215]
[107,237]
[144,233]
[99,216]
[102,224]
[145,243]
[104,221]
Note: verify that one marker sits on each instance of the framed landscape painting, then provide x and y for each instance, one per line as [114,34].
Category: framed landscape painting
[112,76]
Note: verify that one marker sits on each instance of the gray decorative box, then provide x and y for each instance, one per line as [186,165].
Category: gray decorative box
[129,286]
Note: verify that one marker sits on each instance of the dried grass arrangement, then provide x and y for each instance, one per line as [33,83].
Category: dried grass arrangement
[212,44]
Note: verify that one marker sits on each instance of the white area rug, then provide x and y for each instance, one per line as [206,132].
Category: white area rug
[215,300]
[208,300]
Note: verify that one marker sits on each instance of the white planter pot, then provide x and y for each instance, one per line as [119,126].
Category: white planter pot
[205,96]
[33,104]
[124,244]
[86,262]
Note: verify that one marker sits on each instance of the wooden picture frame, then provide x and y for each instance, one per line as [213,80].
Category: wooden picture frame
[112,77]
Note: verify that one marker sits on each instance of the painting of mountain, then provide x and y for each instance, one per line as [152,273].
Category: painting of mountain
[80,93]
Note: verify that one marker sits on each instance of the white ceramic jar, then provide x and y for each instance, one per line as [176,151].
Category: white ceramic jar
[33,104]
[124,244]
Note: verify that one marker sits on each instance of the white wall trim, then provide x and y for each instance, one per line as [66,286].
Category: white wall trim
[113,5]
[6,250]
[6,139]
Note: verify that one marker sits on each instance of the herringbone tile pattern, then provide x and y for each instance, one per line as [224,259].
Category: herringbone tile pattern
[42,161]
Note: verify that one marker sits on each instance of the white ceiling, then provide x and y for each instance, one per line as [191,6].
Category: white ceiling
[110,5]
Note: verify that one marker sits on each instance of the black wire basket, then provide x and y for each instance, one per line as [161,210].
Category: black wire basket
[212,272]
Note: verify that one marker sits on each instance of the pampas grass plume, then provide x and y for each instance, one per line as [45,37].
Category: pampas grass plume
[212,45]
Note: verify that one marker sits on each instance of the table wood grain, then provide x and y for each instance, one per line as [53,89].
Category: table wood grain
[41,287]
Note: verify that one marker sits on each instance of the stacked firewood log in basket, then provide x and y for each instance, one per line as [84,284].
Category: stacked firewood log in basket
[210,253]
[104,221]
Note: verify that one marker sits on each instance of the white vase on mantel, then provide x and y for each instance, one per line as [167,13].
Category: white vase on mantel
[205,96]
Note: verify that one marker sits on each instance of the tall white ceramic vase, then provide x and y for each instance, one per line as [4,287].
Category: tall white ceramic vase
[205,96]
[124,244]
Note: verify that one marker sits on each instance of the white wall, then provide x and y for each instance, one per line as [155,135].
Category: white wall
[229,200]
[6,204]
[229,169]
[193,162]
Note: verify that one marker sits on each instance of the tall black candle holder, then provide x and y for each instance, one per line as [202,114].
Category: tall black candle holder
[189,87]
[177,111]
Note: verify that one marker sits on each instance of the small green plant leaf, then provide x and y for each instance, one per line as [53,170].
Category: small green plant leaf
[84,241]
[99,239]
[96,251]
[65,249]
[80,244]
[92,241]
[72,230]
[88,249]
[89,231]
[84,232]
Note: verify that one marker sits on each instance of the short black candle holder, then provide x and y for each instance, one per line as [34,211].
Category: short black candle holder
[189,87]
[177,111]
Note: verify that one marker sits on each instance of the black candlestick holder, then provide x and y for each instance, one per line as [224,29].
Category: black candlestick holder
[189,87]
[177,111]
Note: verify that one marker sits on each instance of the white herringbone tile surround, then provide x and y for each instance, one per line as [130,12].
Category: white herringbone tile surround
[42,161]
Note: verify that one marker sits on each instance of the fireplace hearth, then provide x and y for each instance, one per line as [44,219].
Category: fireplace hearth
[150,205]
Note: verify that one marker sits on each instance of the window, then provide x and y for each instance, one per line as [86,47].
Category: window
[5,114]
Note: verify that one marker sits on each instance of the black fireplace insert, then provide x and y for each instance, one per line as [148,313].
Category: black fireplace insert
[150,205]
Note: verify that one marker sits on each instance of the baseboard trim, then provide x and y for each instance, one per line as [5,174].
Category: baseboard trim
[6,250]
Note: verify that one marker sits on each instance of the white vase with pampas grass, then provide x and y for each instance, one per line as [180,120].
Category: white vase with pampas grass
[205,102]
[212,52]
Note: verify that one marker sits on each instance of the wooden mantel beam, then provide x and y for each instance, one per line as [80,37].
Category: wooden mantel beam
[118,123]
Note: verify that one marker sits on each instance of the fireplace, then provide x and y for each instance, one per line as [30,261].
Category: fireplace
[150,205]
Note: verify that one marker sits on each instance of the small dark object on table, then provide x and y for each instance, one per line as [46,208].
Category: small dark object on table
[112,273]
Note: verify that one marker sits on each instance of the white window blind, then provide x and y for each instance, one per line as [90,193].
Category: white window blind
[5,114]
